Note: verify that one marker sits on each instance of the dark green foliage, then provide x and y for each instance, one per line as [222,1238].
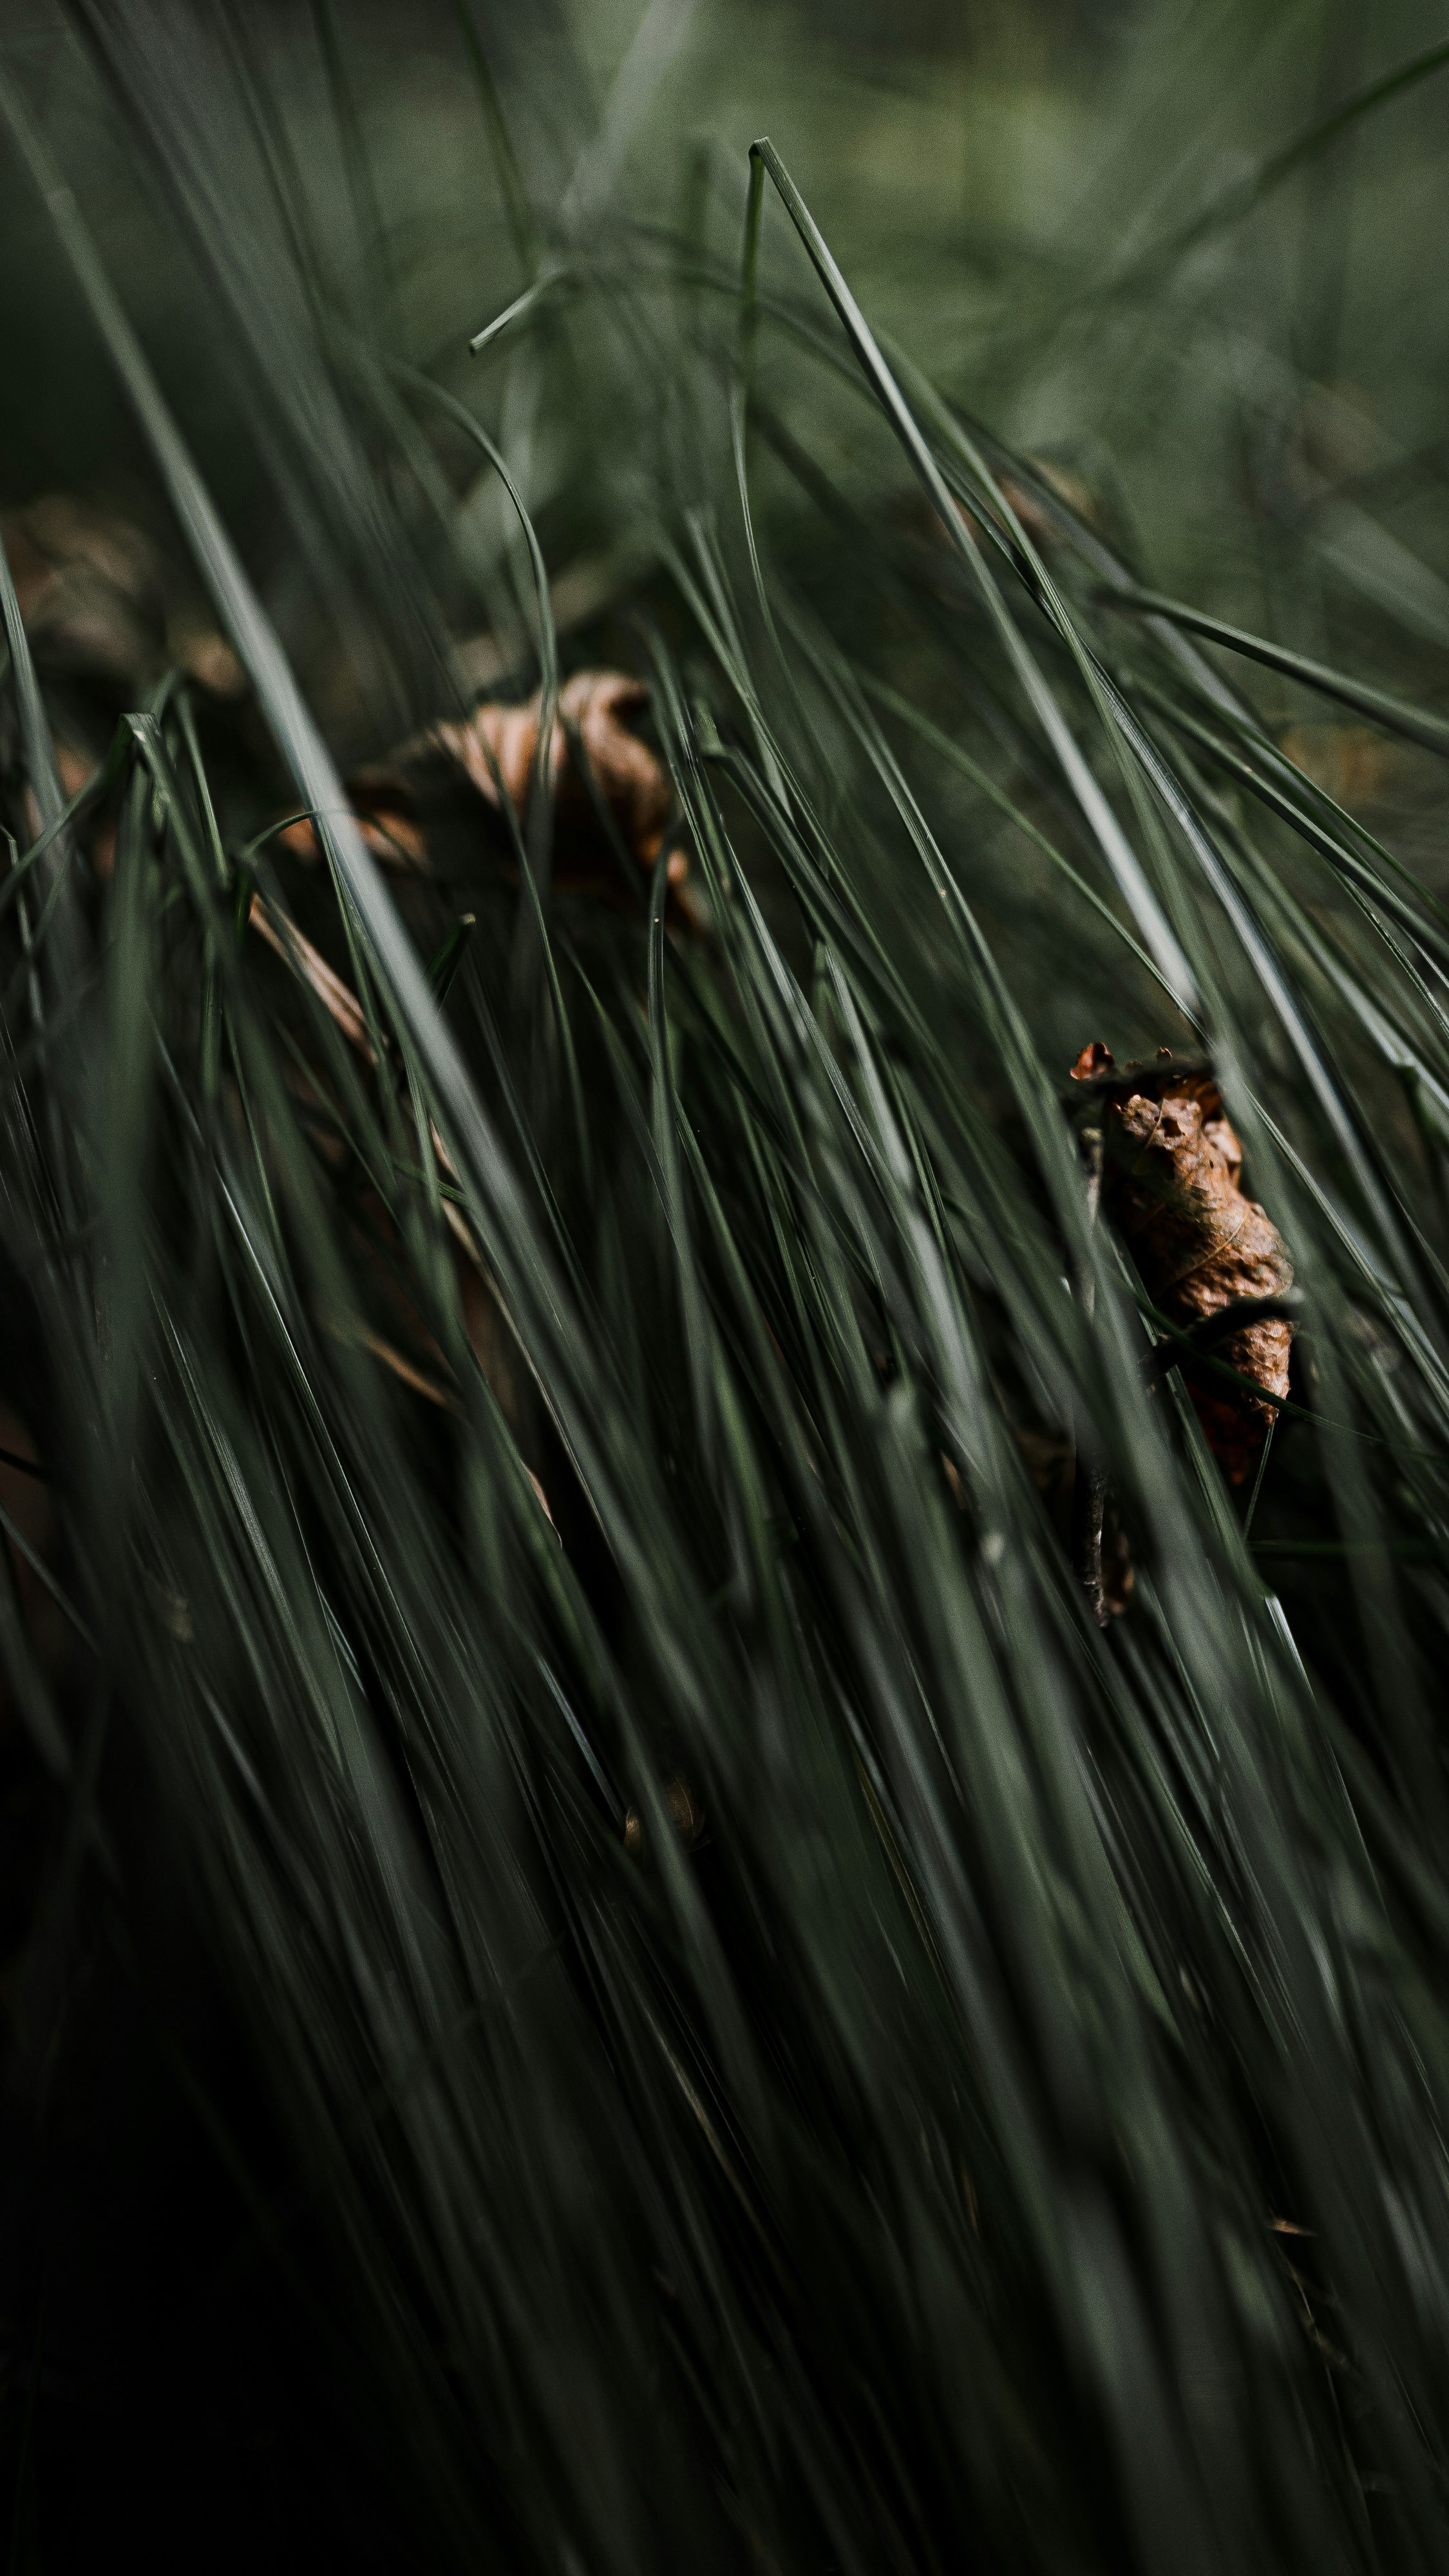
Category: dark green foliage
[1013,2133]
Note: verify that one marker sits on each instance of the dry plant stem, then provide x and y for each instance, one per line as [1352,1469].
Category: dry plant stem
[1089,1488]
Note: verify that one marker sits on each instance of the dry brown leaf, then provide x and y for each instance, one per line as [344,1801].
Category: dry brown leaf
[1170,1184]
[406,804]
[593,703]
[683,1810]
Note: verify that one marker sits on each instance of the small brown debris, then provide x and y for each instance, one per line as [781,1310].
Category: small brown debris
[1051,1463]
[1171,1187]
[1094,1060]
[1119,1574]
[684,1811]
[385,810]
[97,833]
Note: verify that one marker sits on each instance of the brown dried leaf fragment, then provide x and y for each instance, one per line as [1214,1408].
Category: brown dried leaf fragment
[683,1809]
[385,810]
[1171,1187]
[421,808]
[626,772]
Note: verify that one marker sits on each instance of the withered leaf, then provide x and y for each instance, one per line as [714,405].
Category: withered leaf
[455,777]
[593,705]
[1171,1186]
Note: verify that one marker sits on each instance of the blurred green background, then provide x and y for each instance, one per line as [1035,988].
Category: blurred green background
[1077,219]
[983,173]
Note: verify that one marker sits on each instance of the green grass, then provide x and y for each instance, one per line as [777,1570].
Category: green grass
[899,2176]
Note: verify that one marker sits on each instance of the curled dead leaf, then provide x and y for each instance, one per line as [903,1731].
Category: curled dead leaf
[591,705]
[409,807]
[1170,1184]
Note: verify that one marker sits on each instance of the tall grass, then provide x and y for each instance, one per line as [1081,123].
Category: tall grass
[1013,2129]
